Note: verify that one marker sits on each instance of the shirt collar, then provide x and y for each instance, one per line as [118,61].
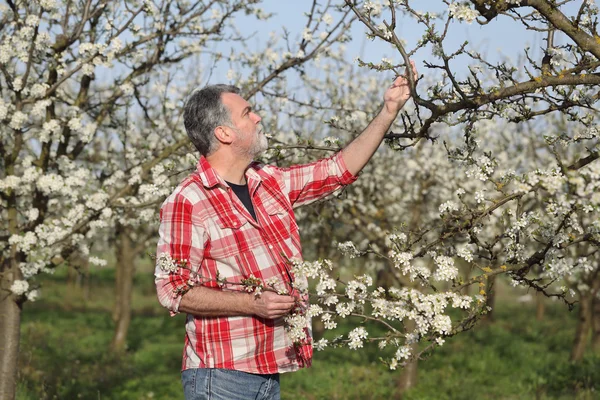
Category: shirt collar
[252,172]
[210,178]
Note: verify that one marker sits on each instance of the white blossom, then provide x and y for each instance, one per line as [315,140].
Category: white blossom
[448,206]
[348,249]
[445,269]
[19,287]
[307,35]
[462,11]
[33,295]
[479,196]
[465,253]
[38,90]
[442,324]
[18,120]
[48,5]
[50,183]
[356,337]
[97,201]
[321,344]
[11,182]
[166,263]
[32,214]
[403,352]
[295,327]
[97,261]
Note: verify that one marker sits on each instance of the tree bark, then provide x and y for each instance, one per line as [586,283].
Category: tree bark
[10,324]
[124,273]
[409,375]
[584,325]
[596,315]
[85,280]
[72,276]
[596,325]
[490,299]
[78,273]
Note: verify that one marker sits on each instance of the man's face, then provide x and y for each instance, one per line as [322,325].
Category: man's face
[249,137]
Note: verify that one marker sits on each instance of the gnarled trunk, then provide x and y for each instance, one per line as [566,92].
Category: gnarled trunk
[124,273]
[10,324]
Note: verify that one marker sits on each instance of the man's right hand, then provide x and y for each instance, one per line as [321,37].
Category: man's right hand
[271,305]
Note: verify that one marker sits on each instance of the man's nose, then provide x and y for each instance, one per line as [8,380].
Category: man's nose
[257,118]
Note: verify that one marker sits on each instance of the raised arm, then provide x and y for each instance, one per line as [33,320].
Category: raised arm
[361,149]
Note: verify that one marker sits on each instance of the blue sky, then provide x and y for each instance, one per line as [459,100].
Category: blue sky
[497,40]
[502,37]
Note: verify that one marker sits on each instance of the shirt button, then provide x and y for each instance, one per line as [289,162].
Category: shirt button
[271,246]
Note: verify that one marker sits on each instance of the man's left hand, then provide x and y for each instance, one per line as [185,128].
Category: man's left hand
[399,92]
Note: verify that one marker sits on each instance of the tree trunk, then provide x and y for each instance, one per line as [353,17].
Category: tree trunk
[540,306]
[72,276]
[596,314]
[85,280]
[596,325]
[408,376]
[10,324]
[78,273]
[124,273]
[491,298]
[584,325]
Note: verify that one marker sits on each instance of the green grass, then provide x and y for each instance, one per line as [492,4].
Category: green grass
[66,335]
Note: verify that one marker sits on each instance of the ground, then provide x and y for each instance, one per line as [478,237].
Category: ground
[66,334]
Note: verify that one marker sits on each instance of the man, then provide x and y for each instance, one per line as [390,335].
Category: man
[232,220]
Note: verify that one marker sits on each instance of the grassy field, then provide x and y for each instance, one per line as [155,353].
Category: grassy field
[65,337]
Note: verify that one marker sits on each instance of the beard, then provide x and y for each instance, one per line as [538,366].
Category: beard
[258,146]
[261,144]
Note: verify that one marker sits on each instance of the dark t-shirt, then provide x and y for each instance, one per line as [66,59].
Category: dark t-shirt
[243,194]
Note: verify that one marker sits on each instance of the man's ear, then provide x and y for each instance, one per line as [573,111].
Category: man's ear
[223,134]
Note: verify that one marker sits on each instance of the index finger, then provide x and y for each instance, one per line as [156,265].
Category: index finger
[414,70]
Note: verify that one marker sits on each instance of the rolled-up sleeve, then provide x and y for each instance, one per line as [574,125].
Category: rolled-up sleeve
[310,182]
[183,240]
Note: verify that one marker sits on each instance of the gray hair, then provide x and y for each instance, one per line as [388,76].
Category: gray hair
[203,112]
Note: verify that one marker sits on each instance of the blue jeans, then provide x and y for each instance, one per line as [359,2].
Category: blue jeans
[226,384]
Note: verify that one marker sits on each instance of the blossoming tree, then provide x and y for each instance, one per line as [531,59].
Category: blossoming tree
[517,196]
[76,158]
[90,134]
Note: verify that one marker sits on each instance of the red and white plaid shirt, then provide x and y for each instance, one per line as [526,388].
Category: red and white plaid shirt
[205,223]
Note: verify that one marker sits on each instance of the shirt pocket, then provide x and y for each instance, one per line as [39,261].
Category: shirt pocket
[228,237]
[282,223]
[283,230]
